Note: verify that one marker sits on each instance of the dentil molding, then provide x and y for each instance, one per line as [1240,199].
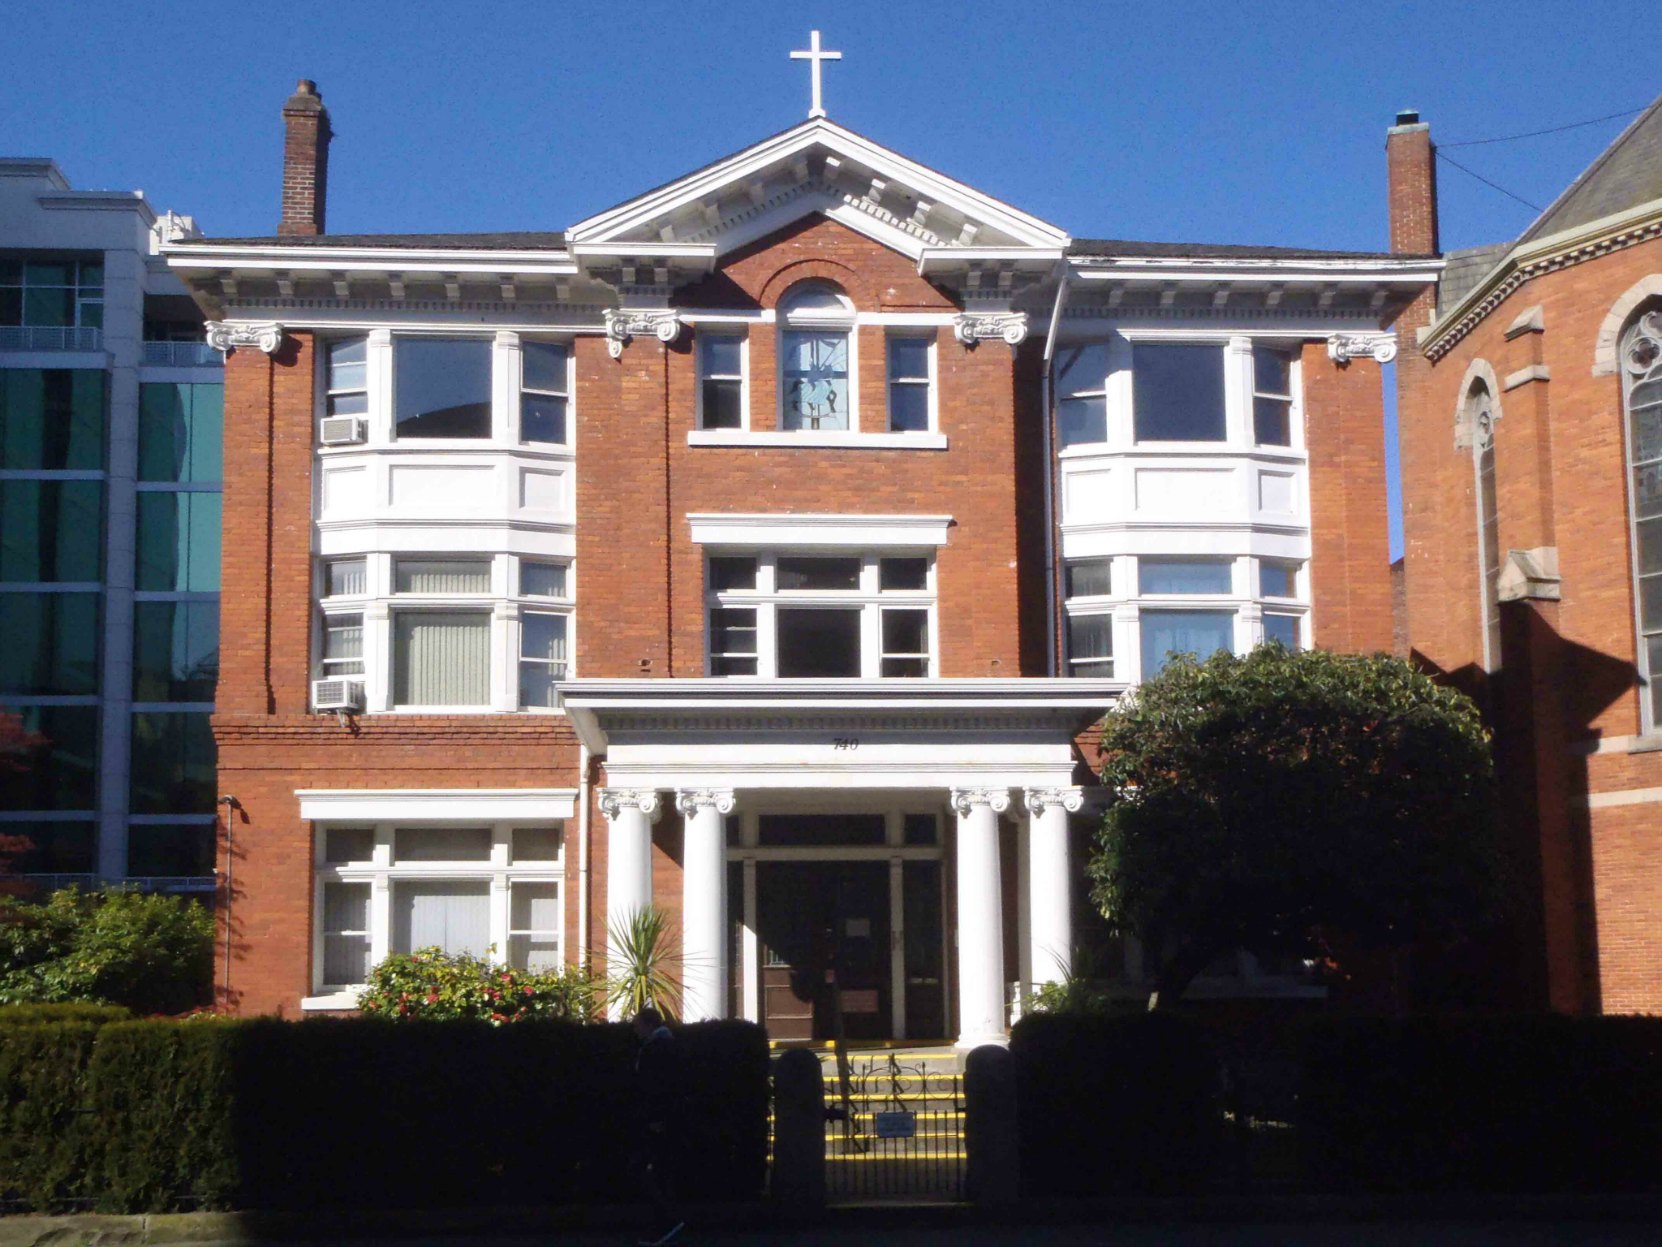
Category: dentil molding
[1036,800]
[613,801]
[688,801]
[1344,347]
[622,325]
[965,800]
[973,327]
[227,336]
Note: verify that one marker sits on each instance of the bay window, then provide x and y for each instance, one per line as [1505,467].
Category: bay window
[820,616]
[1090,622]
[542,658]
[441,658]
[1272,397]
[1198,632]
[542,393]
[1081,380]
[346,377]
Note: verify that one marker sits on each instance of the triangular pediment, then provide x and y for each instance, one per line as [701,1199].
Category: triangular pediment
[816,167]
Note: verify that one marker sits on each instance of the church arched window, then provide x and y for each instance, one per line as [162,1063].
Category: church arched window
[1641,356]
[1479,420]
[816,341]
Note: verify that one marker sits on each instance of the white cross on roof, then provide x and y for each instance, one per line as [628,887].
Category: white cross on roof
[814,56]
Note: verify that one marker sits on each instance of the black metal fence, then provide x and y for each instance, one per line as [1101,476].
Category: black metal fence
[896,1131]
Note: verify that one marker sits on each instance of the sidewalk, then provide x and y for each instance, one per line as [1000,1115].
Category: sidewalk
[1281,1222]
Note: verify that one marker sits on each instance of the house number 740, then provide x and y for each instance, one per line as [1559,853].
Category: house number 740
[845,742]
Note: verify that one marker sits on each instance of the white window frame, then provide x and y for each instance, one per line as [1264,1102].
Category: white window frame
[868,598]
[515,345]
[496,434]
[1234,434]
[1295,437]
[329,392]
[717,330]
[1105,392]
[928,382]
[1092,606]
[383,873]
[844,323]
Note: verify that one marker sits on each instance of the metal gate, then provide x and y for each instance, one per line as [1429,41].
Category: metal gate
[897,1132]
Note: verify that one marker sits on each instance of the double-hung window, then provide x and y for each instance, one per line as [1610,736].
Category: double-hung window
[816,336]
[441,649]
[441,387]
[346,377]
[820,616]
[544,632]
[1081,380]
[1272,396]
[910,360]
[1177,392]
[720,380]
[542,393]
[1278,586]
[345,583]
[1090,623]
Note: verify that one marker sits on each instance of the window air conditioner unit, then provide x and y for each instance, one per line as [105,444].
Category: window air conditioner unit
[337,695]
[344,431]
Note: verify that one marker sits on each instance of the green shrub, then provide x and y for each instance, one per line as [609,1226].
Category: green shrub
[432,985]
[34,1015]
[1528,1104]
[149,953]
[45,1133]
[1115,1105]
[363,1113]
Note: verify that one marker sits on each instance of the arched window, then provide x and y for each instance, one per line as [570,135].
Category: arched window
[1479,419]
[816,328]
[1641,357]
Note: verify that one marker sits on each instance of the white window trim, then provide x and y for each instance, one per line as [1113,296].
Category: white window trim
[930,382]
[382,874]
[508,374]
[720,330]
[851,534]
[766,599]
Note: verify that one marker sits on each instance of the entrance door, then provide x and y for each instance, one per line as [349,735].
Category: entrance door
[824,926]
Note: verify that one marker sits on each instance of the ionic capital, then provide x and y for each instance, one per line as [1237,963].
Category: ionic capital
[964,800]
[973,327]
[623,324]
[228,335]
[613,801]
[688,801]
[1344,347]
[1037,800]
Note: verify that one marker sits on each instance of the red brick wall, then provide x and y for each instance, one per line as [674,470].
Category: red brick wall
[1567,670]
[1350,561]
[638,478]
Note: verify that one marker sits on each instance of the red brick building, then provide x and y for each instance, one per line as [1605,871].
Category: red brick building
[1528,420]
[757,548]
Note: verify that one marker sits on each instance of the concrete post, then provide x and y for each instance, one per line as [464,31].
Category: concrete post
[992,1142]
[798,1178]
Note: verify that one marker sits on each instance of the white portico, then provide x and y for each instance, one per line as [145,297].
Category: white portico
[815,787]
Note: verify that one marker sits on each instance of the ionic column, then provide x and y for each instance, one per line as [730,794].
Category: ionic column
[981,1010]
[704,902]
[1050,880]
[630,813]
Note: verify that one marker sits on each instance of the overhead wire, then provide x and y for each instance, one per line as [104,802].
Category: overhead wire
[1532,134]
[1493,185]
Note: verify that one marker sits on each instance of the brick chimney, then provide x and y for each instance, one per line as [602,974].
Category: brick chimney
[1411,162]
[306,136]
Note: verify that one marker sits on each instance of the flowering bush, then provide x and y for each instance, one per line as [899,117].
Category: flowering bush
[432,985]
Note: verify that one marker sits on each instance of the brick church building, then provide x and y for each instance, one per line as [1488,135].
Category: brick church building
[762,548]
[1530,409]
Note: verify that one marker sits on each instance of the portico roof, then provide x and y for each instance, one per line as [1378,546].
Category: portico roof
[881,733]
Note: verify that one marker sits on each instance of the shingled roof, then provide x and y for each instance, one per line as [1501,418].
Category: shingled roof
[1626,174]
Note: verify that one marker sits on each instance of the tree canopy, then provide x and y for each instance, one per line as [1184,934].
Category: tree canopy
[1260,802]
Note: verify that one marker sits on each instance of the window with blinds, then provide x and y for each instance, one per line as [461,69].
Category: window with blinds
[441,658]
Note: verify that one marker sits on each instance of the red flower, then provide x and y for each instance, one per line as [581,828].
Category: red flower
[432,998]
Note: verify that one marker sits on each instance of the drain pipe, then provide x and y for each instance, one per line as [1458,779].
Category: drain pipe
[1052,583]
[584,764]
[232,805]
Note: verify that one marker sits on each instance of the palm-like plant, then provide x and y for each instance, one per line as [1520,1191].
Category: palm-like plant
[640,964]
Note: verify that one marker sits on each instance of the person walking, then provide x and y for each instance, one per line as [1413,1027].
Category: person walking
[658,1093]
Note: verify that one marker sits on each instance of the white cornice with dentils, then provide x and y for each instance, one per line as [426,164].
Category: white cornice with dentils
[1544,255]
[436,804]
[1361,271]
[323,258]
[739,170]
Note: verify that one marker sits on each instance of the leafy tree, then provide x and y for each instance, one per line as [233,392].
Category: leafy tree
[153,954]
[433,985]
[1263,801]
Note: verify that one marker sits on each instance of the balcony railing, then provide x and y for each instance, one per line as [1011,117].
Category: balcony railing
[182,355]
[50,338]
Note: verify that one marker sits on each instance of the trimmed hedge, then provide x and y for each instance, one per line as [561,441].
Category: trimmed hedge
[34,1015]
[1526,1104]
[365,1113]
[1115,1105]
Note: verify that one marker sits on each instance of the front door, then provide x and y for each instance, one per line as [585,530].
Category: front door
[824,933]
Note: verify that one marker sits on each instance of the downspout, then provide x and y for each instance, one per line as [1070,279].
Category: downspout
[1052,583]
[584,765]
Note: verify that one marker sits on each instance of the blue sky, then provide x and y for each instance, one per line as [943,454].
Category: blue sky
[1256,123]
